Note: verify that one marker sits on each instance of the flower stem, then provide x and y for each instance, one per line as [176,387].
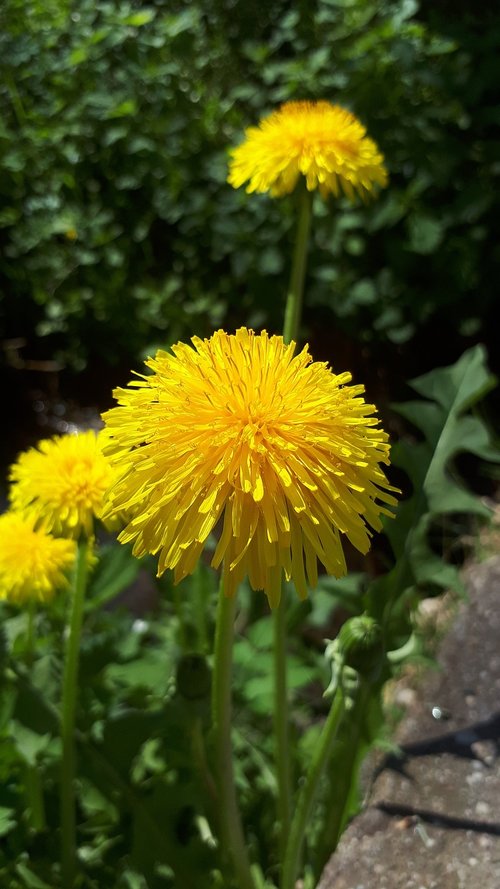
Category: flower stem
[200,607]
[231,830]
[200,759]
[30,635]
[293,311]
[293,308]
[344,766]
[308,791]
[34,794]
[281,727]
[70,680]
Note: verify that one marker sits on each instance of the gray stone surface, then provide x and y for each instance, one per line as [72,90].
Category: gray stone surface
[432,820]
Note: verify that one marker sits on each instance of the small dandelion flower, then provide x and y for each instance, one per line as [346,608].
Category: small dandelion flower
[322,142]
[238,428]
[33,564]
[62,483]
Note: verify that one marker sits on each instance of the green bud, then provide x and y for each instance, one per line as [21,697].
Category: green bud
[360,641]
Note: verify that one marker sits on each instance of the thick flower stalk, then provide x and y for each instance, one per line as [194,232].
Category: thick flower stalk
[33,564]
[59,486]
[61,483]
[240,429]
[324,143]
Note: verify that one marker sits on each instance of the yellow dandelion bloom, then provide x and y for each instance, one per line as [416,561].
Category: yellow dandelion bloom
[323,142]
[240,429]
[33,564]
[62,483]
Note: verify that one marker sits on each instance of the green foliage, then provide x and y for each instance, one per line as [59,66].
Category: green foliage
[387,631]
[117,227]
[136,776]
[147,807]
[449,429]
[143,711]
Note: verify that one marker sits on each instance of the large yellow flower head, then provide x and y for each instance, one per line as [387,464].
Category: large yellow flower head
[33,564]
[62,483]
[323,142]
[240,429]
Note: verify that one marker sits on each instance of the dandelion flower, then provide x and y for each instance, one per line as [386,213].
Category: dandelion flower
[323,142]
[238,428]
[33,564]
[62,483]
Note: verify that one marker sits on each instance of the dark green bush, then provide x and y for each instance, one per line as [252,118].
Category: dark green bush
[117,227]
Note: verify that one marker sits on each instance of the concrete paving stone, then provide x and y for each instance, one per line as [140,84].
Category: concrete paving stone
[432,820]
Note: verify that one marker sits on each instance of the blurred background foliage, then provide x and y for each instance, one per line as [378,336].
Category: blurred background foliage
[118,230]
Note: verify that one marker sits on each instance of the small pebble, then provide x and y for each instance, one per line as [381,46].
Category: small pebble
[482,808]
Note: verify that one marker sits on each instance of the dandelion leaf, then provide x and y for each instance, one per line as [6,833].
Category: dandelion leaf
[448,427]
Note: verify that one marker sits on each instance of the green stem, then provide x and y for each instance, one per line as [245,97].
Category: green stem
[200,759]
[200,607]
[231,829]
[293,309]
[308,791]
[34,794]
[343,770]
[179,609]
[30,635]
[70,680]
[281,727]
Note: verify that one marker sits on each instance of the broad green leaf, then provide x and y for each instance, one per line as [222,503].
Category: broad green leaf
[332,593]
[125,734]
[138,19]
[426,234]
[153,670]
[29,744]
[116,570]
[34,712]
[260,634]
[79,55]
[156,831]
[124,109]
[448,427]
[132,880]
[31,881]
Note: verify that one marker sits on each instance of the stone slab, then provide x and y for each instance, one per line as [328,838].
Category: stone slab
[432,820]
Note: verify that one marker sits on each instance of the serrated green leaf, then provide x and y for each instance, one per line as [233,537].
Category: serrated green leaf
[460,385]
[448,430]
